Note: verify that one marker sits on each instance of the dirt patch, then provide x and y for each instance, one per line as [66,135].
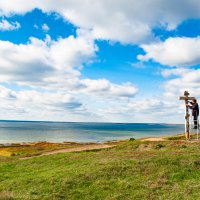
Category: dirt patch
[6,195]
[75,149]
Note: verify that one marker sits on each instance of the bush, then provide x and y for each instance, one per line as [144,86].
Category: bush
[131,139]
[159,146]
[184,146]
[176,138]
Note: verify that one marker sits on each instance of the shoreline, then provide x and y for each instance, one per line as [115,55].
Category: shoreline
[17,144]
[150,138]
[26,150]
[11,144]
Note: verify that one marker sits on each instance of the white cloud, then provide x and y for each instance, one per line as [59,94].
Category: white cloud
[104,88]
[115,20]
[177,51]
[92,100]
[56,67]
[186,79]
[48,74]
[56,64]
[39,59]
[9,26]
[151,109]
[180,54]
[32,105]
[45,28]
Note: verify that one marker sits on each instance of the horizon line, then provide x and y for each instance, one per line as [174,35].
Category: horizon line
[48,121]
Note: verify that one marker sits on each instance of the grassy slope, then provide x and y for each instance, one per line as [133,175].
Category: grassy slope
[132,170]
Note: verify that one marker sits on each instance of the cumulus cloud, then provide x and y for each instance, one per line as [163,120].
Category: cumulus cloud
[48,74]
[150,109]
[9,26]
[181,54]
[105,88]
[185,79]
[56,64]
[36,60]
[114,20]
[56,68]
[60,101]
[32,104]
[19,61]
[178,51]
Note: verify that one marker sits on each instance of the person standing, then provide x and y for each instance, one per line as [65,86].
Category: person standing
[195,112]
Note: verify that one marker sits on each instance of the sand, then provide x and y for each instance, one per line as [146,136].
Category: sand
[154,139]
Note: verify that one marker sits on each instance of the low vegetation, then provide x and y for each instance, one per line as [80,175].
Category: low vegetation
[133,169]
[35,148]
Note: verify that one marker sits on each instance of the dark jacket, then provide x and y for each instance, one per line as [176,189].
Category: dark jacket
[195,109]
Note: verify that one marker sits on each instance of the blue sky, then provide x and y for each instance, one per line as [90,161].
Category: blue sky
[103,61]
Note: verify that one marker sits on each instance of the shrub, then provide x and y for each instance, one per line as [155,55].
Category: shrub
[184,146]
[159,146]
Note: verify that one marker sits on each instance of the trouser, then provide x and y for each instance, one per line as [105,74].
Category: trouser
[195,118]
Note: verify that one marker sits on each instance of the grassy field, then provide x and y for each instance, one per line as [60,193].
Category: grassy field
[131,170]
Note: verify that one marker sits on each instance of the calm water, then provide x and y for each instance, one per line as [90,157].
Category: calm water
[12,131]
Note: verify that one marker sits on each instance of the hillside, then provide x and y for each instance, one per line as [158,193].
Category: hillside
[131,170]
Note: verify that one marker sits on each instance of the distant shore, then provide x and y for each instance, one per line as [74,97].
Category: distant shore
[36,149]
[25,144]
[19,144]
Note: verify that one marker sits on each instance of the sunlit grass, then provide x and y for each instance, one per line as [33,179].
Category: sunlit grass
[131,170]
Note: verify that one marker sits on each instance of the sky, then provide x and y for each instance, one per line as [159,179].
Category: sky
[98,61]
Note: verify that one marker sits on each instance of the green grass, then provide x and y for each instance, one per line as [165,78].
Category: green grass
[131,170]
[182,137]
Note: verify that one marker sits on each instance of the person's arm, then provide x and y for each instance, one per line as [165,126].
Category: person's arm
[191,107]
